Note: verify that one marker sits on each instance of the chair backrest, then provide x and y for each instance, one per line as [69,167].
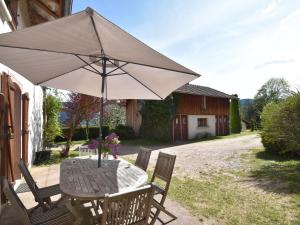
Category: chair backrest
[128,208]
[163,170]
[29,180]
[164,167]
[15,202]
[143,158]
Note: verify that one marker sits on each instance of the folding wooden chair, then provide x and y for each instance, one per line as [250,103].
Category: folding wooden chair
[143,158]
[42,195]
[163,171]
[131,208]
[56,216]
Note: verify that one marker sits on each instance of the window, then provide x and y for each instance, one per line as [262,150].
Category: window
[202,122]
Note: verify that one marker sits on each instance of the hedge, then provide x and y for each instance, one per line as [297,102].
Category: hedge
[124,132]
[81,135]
[281,126]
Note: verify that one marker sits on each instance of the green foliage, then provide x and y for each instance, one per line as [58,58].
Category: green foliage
[235,118]
[274,90]
[53,107]
[124,132]
[80,133]
[249,114]
[281,126]
[114,115]
[157,118]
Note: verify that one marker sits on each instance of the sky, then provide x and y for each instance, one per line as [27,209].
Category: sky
[235,45]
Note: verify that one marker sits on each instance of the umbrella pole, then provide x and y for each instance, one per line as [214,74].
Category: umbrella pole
[100,129]
[101,110]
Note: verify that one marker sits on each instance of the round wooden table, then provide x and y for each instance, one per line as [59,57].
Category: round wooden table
[82,179]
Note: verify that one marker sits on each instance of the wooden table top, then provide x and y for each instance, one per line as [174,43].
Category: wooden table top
[82,179]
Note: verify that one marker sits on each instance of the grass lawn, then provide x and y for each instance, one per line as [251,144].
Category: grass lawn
[82,142]
[265,191]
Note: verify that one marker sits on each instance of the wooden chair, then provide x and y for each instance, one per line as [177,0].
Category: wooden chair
[42,195]
[143,158]
[131,208]
[56,216]
[162,171]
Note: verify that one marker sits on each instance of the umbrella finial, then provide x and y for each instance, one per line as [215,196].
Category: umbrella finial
[89,11]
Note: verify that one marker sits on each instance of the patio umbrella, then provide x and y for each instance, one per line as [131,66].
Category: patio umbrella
[86,53]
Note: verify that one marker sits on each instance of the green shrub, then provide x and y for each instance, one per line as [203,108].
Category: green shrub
[235,118]
[81,135]
[281,126]
[52,128]
[124,132]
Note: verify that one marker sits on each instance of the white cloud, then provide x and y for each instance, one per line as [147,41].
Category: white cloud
[235,45]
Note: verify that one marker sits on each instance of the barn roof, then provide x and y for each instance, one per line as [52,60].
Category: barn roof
[202,90]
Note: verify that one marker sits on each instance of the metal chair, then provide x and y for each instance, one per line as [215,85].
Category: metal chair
[143,158]
[131,208]
[163,171]
[42,195]
[55,216]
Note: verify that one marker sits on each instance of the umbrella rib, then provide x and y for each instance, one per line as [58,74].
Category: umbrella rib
[97,35]
[42,50]
[138,81]
[81,67]
[119,67]
[157,67]
[89,64]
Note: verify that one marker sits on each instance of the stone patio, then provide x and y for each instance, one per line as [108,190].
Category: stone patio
[45,176]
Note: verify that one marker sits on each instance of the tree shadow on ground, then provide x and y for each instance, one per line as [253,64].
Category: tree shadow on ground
[265,155]
[278,174]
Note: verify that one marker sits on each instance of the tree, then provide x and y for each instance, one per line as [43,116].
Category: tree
[114,114]
[249,112]
[281,126]
[274,90]
[52,108]
[78,108]
[235,118]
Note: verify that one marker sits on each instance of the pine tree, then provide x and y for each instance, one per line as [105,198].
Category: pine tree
[235,118]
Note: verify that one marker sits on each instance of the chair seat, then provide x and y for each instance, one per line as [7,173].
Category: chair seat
[55,216]
[49,191]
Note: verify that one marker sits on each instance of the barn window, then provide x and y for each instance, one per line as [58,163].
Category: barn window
[202,122]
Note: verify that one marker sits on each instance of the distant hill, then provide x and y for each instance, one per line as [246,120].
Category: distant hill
[246,101]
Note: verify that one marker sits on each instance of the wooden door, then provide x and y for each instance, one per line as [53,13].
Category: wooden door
[17,123]
[180,127]
[2,142]
[11,138]
[25,104]
[177,128]
[184,127]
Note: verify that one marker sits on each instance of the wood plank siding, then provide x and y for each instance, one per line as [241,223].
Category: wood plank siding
[133,117]
[195,105]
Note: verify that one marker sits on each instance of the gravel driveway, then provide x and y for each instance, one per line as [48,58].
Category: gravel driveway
[206,156]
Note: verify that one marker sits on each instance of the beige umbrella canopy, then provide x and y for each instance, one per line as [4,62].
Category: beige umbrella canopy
[69,53]
[86,53]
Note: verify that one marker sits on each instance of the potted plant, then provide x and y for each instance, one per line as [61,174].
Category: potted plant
[110,145]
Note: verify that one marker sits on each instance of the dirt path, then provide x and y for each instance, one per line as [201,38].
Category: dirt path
[206,156]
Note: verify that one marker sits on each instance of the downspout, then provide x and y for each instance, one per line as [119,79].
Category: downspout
[5,15]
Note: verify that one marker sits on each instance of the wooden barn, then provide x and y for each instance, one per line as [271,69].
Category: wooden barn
[201,111]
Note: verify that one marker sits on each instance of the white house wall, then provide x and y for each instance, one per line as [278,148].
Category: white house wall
[194,130]
[35,108]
